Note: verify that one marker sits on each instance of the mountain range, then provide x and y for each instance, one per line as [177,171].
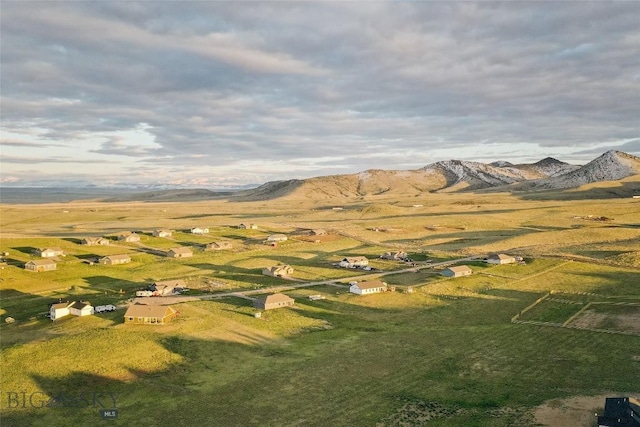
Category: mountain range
[453,176]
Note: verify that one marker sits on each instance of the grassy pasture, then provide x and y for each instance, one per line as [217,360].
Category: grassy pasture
[448,352]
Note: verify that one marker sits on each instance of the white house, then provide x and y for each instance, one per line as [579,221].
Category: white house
[354,262]
[368,287]
[75,308]
[500,259]
[198,230]
[50,252]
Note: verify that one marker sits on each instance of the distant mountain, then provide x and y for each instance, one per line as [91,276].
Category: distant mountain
[179,195]
[611,166]
[450,176]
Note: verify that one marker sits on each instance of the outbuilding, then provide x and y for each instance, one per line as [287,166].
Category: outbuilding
[500,259]
[457,271]
[273,301]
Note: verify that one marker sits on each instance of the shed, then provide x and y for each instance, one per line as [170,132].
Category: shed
[149,314]
[41,265]
[273,301]
[457,271]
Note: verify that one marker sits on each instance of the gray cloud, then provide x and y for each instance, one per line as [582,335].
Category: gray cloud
[223,84]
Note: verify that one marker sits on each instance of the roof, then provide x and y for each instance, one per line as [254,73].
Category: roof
[42,262]
[181,250]
[139,310]
[55,248]
[459,268]
[275,298]
[500,256]
[117,257]
[371,284]
[59,305]
[80,305]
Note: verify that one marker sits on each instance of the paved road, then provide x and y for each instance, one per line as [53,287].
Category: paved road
[282,288]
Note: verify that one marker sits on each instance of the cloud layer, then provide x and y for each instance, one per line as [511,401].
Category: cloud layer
[213,93]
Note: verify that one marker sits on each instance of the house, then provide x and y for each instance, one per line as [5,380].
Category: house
[198,230]
[354,262]
[394,256]
[129,237]
[75,308]
[181,252]
[270,302]
[277,238]
[149,314]
[162,233]
[248,226]
[115,259]
[92,241]
[218,246]
[500,259]
[41,265]
[166,287]
[457,271]
[278,271]
[50,252]
[367,287]
[620,412]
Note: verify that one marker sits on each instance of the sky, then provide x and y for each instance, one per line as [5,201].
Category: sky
[226,94]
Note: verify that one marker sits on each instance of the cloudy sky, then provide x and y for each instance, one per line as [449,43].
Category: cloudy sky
[211,94]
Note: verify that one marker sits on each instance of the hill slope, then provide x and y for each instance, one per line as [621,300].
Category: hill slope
[450,176]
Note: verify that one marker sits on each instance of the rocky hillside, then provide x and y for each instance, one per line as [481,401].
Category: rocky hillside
[611,166]
[452,175]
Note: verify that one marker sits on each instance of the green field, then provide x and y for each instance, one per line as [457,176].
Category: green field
[445,355]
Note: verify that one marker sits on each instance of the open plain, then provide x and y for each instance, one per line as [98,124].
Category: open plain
[492,348]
